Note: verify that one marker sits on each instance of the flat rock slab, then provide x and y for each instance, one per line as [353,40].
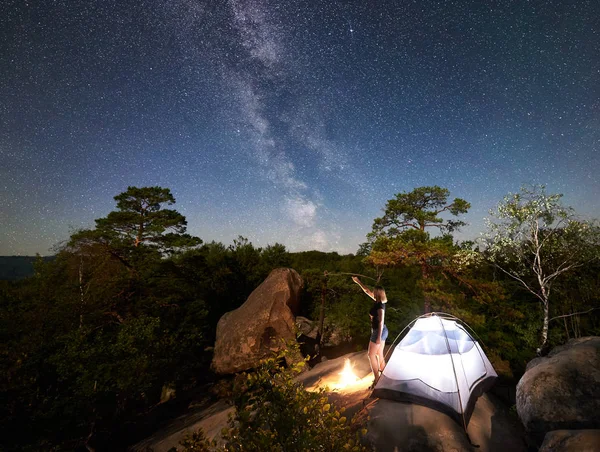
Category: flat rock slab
[406,427]
[211,420]
[391,425]
[397,426]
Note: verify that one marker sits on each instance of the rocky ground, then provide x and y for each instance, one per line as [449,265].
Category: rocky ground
[391,425]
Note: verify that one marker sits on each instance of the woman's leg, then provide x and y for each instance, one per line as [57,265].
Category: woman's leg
[373,350]
[380,357]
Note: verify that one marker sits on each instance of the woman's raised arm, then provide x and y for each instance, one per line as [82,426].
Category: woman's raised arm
[363,287]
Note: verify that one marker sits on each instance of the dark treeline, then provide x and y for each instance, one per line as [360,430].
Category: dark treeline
[129,308]
[18,267]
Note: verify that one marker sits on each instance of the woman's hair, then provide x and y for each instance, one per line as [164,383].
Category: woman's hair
[379,294]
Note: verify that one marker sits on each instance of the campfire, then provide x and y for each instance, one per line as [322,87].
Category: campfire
[344,381]
[347,376]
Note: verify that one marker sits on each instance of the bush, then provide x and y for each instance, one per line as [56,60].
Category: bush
[275,413]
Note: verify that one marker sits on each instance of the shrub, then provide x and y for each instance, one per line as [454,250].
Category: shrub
[275,413]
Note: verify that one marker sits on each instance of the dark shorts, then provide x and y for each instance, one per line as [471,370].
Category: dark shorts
[384,334]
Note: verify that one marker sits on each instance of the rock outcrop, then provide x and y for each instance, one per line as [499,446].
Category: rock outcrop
[571,441]
[254,330]
[211,420]
[397,426]
[392,426]
[307,327]
[561,391]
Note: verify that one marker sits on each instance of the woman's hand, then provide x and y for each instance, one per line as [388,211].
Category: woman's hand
[363,287]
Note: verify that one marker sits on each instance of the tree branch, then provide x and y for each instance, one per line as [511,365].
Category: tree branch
[537,295]
[561,270]
[552,231]
[575,313]
[435,225]
[115,315]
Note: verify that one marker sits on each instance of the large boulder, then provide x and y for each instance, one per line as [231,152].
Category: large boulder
[561,391]
[254,330]
[571,441]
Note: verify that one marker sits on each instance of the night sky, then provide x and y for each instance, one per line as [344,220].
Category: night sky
[290,121]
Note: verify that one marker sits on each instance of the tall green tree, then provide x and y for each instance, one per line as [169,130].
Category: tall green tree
[420,210]
[111,320]
[536,240]
[401,236]
[140,219]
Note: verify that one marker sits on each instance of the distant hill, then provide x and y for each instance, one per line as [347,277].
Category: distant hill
[17,267]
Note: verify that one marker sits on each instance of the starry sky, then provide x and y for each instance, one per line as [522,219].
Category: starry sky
[290,121]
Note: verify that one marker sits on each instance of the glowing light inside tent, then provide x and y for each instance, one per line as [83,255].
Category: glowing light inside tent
[439,361]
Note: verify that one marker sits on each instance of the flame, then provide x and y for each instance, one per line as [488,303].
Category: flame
[347,376]
[345,381]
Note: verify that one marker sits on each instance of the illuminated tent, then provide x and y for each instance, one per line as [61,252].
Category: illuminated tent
[437,364]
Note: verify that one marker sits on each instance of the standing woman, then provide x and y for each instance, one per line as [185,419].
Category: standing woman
[379,331]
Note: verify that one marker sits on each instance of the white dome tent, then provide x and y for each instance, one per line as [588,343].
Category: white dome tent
[437,364]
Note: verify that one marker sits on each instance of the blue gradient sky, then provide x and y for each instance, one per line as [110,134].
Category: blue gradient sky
[290,121]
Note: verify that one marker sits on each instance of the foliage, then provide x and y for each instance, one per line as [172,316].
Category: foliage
[535,240]
[140,219]
[92,337]
[196,442]
[17,267]
[577,302]
[401,237]
[419,210]
[274,412]
[347,315]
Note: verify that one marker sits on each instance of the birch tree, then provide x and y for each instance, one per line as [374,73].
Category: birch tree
[535,240]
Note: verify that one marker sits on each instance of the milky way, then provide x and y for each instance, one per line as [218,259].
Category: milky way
[290,122]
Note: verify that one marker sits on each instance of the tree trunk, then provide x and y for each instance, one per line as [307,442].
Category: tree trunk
[81,293]
[322,312]
[566,328]
[544,329]
[140,234]
[426,297]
